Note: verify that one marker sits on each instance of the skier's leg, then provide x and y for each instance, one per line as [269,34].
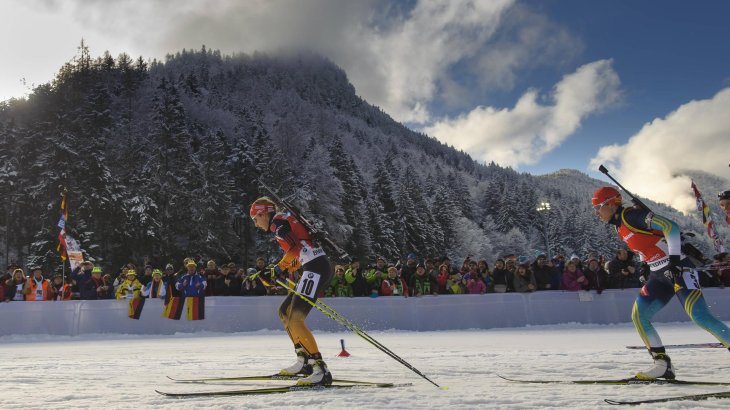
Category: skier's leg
[690,295]
[316,277]
[285,315]
[652,298]
[655,294]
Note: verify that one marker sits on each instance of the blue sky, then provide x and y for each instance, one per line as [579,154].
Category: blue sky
[642,86]
[666,53]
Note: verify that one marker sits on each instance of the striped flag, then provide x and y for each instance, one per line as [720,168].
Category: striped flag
[61,248]
[707,220]
[135,308]
[173,308]
[196,307]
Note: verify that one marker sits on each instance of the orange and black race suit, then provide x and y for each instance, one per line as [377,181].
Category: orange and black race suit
[300,250]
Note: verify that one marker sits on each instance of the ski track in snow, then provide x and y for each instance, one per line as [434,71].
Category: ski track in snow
[122,371]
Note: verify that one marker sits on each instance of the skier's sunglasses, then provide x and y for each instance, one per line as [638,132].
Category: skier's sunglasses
[598,207]
[724,195]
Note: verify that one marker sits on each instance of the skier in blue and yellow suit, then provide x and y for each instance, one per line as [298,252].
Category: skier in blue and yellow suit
[657,241]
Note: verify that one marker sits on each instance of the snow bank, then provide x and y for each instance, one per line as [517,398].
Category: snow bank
[428,313]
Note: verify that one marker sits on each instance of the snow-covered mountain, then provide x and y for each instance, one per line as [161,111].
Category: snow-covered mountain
[162,159]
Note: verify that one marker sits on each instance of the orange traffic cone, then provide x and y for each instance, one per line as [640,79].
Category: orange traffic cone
[343,353]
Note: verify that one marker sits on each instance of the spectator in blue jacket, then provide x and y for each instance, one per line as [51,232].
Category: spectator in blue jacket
[192,283]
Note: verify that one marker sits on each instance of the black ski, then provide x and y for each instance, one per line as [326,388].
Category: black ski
[628,381]
[259,378]
[695,397]
[282,389]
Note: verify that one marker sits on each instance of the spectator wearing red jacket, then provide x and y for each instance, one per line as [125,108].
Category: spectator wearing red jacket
[393,285]
[442,277]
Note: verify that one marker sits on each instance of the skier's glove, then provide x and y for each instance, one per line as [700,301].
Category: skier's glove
[674,271]
[275,272]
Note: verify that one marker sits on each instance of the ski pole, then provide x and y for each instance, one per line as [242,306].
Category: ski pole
[719,266]
[360,332]
[634,199]
[332,314]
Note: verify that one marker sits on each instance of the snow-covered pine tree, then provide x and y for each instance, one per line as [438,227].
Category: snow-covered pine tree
[171,175]
[384,193]
[357,237]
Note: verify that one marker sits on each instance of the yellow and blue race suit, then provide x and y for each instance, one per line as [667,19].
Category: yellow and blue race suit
[657,240]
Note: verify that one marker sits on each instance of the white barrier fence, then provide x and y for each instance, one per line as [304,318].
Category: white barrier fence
[443,312]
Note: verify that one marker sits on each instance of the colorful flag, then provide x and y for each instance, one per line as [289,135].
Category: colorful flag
[62,225]
[196,307]
[135,308]
[73,251]
[173,308]
[707,220]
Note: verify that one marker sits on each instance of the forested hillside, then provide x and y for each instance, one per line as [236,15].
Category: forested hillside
[162,159]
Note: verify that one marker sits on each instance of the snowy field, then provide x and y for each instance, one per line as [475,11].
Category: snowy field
[122,371]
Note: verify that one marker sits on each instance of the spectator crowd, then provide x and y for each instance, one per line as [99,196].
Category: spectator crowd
[412,277]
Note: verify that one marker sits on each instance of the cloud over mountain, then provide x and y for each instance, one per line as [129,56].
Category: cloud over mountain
[537,123]
[653,163]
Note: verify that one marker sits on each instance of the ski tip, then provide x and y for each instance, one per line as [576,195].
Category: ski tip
[612,402]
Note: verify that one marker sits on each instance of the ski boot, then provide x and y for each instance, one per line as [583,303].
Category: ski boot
[320,376]
[301,367]
[663,368]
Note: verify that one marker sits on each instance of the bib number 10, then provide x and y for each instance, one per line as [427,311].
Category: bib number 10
[307,285]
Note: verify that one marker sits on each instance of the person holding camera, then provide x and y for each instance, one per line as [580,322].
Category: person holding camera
[375,275]
[89,289]
[622,271]
[657,240]
[59,289]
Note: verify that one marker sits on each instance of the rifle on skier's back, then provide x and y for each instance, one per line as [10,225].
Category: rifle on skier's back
[318,234]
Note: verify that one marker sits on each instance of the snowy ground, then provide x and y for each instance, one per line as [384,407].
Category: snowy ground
[121,371]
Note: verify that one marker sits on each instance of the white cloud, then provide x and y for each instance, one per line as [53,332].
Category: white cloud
[525,40]
[407,61]
[696,136]
[399,55]
[523,134]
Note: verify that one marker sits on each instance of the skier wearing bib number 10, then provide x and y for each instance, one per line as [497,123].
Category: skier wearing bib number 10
[657,240]
[300,250]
